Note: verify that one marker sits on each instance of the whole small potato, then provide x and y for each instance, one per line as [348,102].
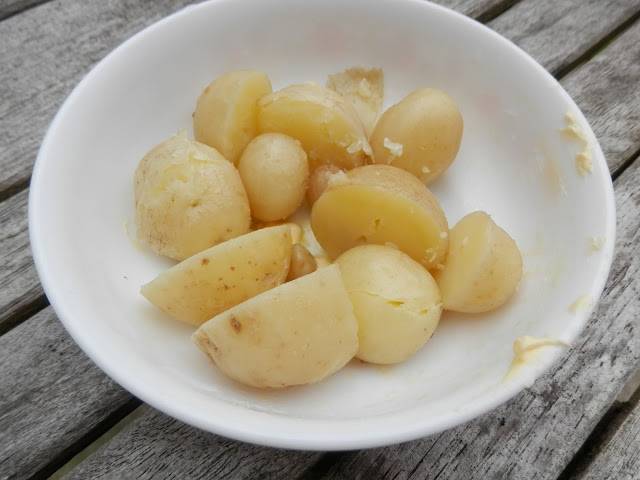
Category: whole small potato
[420,134]
[395,299]
[383,205]
[275,173]
[225,117]
[483,267]
[188,198]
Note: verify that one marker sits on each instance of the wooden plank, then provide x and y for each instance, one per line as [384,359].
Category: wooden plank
[157,446]
[607,90]
[619,455]
[559,32]
[481,10]
[20,291]
[45,52]
[53,399]
[11,7]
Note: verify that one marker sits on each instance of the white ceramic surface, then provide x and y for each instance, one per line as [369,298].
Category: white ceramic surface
[514,163]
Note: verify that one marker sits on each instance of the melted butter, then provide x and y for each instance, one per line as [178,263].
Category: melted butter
[581,303]
[594,244]
[551,172]
[131,237]
[526,351]
[574,132]
[307,239]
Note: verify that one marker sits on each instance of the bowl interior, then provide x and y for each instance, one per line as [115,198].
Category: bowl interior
[514,163]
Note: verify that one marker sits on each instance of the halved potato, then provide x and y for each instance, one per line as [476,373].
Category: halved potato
[226,113]
[395,299]
[295,334]
[326,124]
[212,281]
[383,205]
[483,267]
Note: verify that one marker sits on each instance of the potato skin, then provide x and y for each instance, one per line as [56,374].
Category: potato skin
[428,126]
[212,281]
[318,181]
[326,125]
[275,174]
[295,334]
[380,204]
[188,198]
[395,299]
[302,263]
[483,267]
[225,116]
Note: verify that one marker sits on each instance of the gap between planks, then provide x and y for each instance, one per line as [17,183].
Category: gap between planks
[563,70]
[97,443]
[604,430]
[116,417]
[14,7]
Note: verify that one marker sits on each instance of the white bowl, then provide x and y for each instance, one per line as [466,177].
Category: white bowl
[513,163]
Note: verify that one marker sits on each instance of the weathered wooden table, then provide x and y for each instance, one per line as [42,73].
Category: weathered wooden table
[60,415]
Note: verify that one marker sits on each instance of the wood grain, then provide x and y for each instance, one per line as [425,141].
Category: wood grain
[557,33]
[607,90]
[45,52]
[156,446]
[619,455]
[20,290]
[481,10]
[11,7]
[51,397]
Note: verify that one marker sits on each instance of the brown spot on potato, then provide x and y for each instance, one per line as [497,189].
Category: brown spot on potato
[235,324]
[232,268]
[204,262]
[195,203]
[225,286]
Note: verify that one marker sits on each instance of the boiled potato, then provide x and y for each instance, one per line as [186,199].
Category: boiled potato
[395,299]
[188,198]
[325,123]
[318,181]
[421,134]
[223,276]
[294,334]
[226,113]
[483,267]
[275,173]
[364,89]
[380,204]
[302,263]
